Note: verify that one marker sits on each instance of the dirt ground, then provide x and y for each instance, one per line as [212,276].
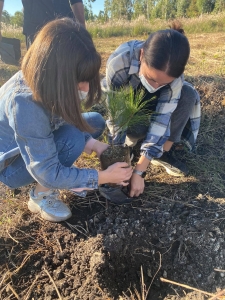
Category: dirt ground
[175,231]
[107,252]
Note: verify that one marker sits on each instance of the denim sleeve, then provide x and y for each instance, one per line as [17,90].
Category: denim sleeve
[35,139]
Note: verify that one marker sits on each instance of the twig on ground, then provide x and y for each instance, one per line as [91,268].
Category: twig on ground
[26,258]
[86,223]
[185,286]
[218,270]
[98,287]
[60,247]
[31,287]
[144,292]
[221,293]
[76,228]
[160,264]
[143,287]
[14,292]
[3,290]
[57,291]
[12,237]
[3,278]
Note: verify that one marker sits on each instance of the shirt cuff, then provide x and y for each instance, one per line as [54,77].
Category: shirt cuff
[145,154]
[89,146]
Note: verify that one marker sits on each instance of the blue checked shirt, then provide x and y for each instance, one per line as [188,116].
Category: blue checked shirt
[123,69]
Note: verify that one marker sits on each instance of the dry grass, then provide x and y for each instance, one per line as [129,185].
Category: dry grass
[142,26]
[12,31]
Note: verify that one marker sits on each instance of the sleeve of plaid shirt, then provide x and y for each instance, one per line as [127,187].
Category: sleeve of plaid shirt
[117,75]
[159,128]
[117,68]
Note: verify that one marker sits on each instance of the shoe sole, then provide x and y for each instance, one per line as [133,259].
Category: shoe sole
[43,214]
[168,170]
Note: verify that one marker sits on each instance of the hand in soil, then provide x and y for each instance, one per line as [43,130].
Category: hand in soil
[117,173]
[137,185]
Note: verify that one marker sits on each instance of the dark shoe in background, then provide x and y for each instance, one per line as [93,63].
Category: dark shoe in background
[172,165]
[114,194]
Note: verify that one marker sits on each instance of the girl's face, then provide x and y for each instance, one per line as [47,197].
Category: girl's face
[83,86]
[155,78]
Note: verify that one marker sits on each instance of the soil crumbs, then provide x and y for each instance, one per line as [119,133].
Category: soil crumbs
[174,231]
[117,252]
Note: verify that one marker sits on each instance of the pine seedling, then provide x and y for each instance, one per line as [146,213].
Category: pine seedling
[125,108]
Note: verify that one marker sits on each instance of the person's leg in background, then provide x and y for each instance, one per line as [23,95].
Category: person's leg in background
[96,121]
[29,40]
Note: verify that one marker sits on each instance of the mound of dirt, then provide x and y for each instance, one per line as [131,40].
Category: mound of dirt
[117,252]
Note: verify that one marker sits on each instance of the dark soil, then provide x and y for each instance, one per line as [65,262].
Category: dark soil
[175,231]
[107,252]
[117,153]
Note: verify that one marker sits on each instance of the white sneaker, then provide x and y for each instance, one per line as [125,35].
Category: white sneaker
[49,206]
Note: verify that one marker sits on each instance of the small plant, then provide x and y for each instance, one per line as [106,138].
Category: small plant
[125,108]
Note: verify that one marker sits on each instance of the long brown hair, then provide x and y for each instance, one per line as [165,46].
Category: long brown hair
[61,56]
[167,50]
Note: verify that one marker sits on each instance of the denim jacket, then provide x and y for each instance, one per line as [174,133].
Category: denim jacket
[26,128]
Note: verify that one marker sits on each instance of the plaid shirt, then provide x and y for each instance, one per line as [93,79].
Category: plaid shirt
[123,69]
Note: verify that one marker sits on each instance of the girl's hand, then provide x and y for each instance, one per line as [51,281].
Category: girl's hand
[117,173]
[99,147]
[137,185]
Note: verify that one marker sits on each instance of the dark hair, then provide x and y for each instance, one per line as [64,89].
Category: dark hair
[61,56]
[167,50]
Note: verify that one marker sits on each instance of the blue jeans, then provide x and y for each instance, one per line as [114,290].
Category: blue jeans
[70,143]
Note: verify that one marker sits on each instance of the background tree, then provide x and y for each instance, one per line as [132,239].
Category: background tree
[121,9]
[139,8]
[88,12]
[6,18]
[182,7]
[192,10]
[107,9]
[17,19]
[219,5]
[205,6]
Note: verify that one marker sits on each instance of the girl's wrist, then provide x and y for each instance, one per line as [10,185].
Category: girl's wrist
[101,177]
[89,147]
[142,164]
[100,147]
